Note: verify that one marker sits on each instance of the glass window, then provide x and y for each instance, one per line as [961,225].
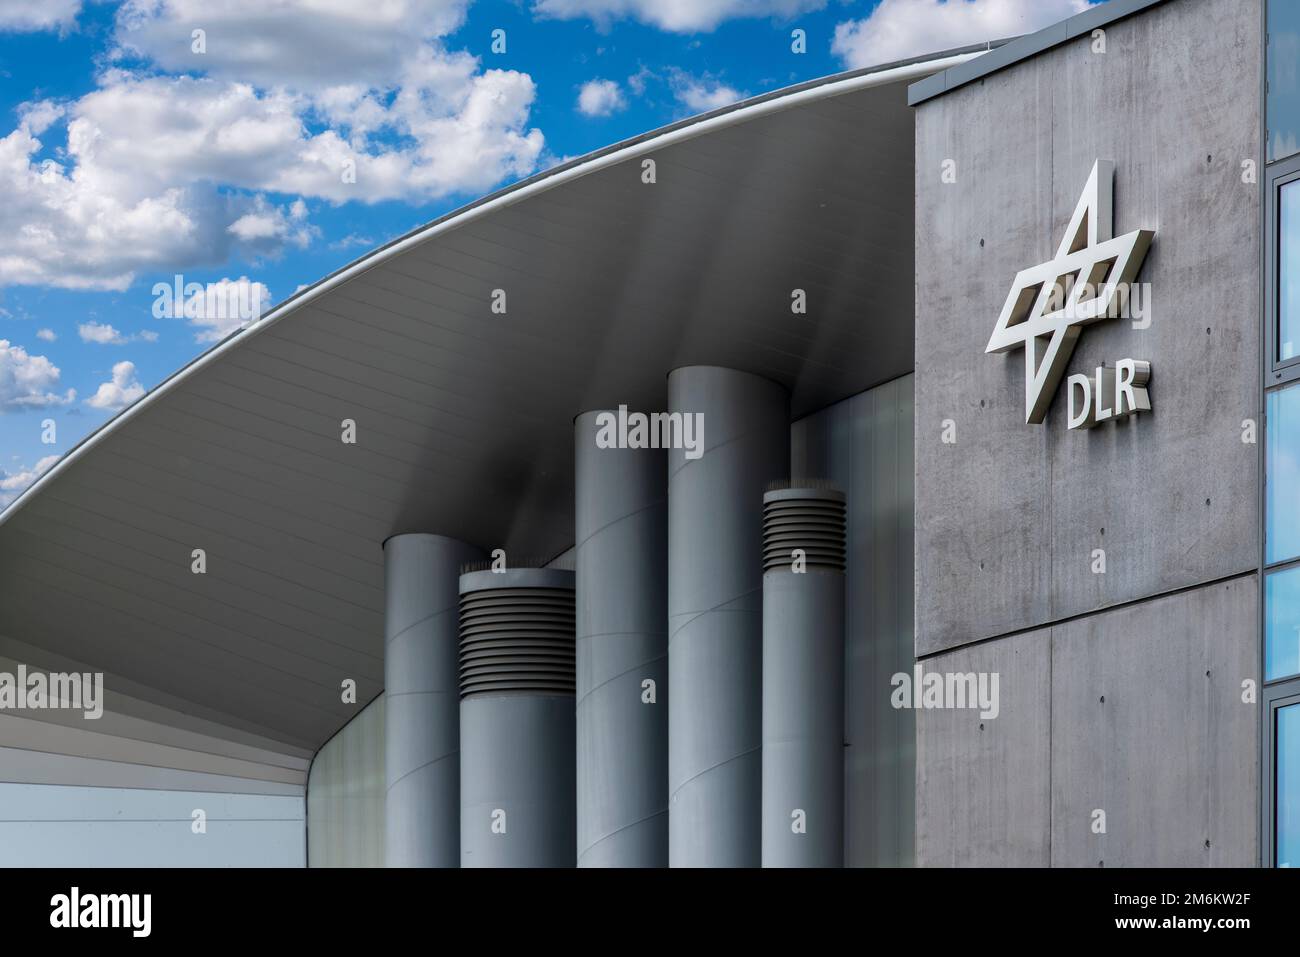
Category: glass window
[1282,533]
[1283,79]
[1287,812]
[1282,638]
[1288,270]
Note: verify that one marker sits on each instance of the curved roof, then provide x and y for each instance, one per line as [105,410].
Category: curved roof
[463,417]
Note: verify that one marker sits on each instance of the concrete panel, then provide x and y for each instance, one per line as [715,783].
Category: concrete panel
[1171,753]
[1007,523]
[983,786]
[864,446]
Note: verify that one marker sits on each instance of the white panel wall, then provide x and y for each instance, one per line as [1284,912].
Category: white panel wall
[49,825]
[345,795]
[120,790]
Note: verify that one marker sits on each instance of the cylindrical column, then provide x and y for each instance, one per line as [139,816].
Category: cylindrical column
[621,531]
[421,700]
[516,719]
[715,585]
[803,678]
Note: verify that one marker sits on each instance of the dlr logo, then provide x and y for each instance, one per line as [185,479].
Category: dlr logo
[1109,393]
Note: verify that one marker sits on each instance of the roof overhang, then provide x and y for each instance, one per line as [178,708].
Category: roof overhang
[463,416]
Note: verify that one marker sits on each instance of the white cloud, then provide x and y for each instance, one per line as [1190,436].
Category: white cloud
[217,309]
[28,381]
[105,335]
[46,335]
[98,332]
[269,226]
[12,484]
[600,98]
[351,241]
[119,391]
[677,16]
[898,29]
[163,172]
[305,45]
[29,15]
[699,94]
[637,81]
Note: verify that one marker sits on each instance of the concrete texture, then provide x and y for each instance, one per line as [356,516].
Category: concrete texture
[1170,755]
[983,787]
[621,527]
[864,446]
[1009,516]
[715,603]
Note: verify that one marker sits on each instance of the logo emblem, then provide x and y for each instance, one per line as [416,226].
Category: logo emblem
[1049,304]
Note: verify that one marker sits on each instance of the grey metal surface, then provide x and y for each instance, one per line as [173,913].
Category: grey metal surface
[517,786]
[715,523]
[463,417]
[517,632]
[803,679]
[864,444]
[422,736]
[621,530]
[1006,530]
[517,770]
[346,794]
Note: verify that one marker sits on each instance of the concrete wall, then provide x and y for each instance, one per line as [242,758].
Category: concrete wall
[1009,517]
[864,445]
[1136,711]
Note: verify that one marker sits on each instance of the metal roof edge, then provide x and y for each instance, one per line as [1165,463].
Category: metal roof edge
[680,131]
[1030,45]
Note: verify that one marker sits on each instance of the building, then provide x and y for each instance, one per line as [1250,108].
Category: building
[851,282]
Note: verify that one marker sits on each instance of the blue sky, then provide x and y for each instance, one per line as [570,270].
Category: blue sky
[214,140]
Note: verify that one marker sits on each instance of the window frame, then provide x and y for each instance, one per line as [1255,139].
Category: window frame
[1283,172]
[1274,699]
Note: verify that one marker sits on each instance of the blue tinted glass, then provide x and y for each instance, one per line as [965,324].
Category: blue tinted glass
[1283,79]
[1287,812]
[1288,272]
[1282,643]
[1282,533]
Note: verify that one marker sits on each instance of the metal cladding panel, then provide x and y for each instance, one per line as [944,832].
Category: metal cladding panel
[715,601]
[517,781]
[622,643]
[422,739]
[803,677]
